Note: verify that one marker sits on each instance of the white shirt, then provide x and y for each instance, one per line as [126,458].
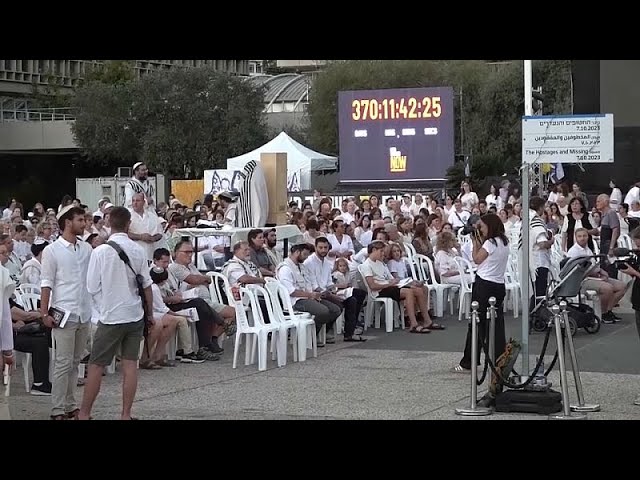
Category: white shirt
[615,199]
[14,265]
[445,262]
[541,256]
[22,250]
[31,272]
[494,200]
[159,307]
[236,268]
[181,272]
[112,283]
[495,265]
[406,209]
[578,251]
[379,271]
[293,277]
[145,223]
[632,196]
[319,271]
[361,256]
[415,208]
[458,219]
[624,226]
[64,271]
[342,247]
[348,218]
[398,267]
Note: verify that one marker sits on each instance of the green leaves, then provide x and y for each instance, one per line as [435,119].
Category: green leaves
[180,122]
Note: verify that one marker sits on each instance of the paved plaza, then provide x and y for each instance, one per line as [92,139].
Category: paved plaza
[392,376]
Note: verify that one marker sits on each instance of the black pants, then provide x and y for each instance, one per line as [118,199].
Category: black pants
[352,307]
[482,291]
[207,318]
[38,347]
[541,283]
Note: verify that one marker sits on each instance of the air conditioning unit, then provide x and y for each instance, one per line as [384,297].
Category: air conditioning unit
[124,172]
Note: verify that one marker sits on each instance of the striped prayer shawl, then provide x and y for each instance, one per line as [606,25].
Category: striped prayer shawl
[534,222]
[244,218]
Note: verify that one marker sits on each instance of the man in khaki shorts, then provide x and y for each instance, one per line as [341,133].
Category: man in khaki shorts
[113,286]
[609,290]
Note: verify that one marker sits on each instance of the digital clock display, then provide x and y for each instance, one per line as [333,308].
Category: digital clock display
[395,134]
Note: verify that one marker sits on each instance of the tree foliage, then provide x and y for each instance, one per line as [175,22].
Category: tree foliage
[489,103]
[180,122]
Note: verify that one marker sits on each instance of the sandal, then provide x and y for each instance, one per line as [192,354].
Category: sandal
[422,330]
[148,365]
[73,415]
[166,363]
[58,417]
[435,326]
[460,369]
[355,338]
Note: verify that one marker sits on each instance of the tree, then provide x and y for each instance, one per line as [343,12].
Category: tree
[180,122]
[111,72]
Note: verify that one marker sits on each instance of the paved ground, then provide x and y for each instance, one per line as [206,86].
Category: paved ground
[392,376]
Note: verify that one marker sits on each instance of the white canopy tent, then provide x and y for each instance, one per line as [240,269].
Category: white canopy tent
[299,158]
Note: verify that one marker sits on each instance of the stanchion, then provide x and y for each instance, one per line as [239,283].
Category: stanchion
[474,410]
[566,410]
[581,406]
[491,317]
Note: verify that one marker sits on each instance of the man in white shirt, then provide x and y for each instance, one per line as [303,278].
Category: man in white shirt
[294,276]
[144,228]
[382,284]
[320,268]
[633,195]
[122,316]
[21,247]
[226,201]
[541,242]
[240,269]
[13,264]
[417,205]
[405,208]
[139,183]
[458,217]
[64,288]
[609,290]
[348,216]
[188,275]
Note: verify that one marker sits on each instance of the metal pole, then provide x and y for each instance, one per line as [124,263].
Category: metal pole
[461,125]
[473,409]
[566,411]
[581,406]
[491,316]
[524,268]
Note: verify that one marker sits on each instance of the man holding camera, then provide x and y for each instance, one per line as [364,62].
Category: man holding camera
[634,271]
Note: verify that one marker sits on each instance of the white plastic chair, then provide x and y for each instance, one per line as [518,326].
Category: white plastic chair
[410,249]
[305,325]
[512,286]
[216,291]
[286,327]
[465,268]
[434,285]
[29,288]
[259,329]
[388,304]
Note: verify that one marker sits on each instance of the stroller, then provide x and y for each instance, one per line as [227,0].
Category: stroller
[572,272]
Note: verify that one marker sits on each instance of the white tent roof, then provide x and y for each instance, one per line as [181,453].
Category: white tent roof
[299,157]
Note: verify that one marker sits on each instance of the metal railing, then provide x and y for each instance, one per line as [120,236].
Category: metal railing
[36,114]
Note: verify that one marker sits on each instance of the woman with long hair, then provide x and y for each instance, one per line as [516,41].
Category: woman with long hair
[445,259]
[494,199]
[514,195]
[468,197]
[363,231]
[491,254]
[421,241]
[448,205]
[311,232]
[577,218]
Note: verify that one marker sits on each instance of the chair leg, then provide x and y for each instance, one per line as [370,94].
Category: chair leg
[235,349]
[294,343]
[439,302]
[26,366]
[388,316]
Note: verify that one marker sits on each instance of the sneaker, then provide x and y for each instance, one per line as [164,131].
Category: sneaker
[215,348]
[179,355]
[358,331]
[41,390]
[207,355]
[608,318]
[85,360]
[191,358]
[616,317]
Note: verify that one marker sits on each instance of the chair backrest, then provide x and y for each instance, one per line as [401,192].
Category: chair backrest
[466,272]
[280,299]
[218,293]
[410,249]
[254,304]
[366,284]
[429,270]
[29,288]
[242,321]
[30,301]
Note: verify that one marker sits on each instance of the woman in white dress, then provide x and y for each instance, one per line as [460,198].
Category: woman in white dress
[468,197]
[445,259]
[32,268]
[363,231]
[493,199]
[615,197]
[396,263]
[341,243]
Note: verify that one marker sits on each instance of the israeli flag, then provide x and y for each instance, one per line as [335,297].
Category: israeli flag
[557,173]
[467,167]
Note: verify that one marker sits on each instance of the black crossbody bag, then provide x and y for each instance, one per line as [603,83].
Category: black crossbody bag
[139,281]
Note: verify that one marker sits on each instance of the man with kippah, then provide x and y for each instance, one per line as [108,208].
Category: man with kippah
[139,183]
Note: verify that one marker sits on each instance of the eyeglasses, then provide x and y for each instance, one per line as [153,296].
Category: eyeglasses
[185,251]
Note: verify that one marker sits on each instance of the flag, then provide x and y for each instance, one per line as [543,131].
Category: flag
[467,167]
[557,173]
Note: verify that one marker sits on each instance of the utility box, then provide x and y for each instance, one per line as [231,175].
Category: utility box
[91,190]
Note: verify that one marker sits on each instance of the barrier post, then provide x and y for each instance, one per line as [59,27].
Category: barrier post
[474,410]
[581,406]
[566,411]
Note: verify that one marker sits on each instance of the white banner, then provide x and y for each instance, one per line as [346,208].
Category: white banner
[567,139]
[216,181]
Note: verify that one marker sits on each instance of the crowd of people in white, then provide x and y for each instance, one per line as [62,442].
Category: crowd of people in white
[104,280]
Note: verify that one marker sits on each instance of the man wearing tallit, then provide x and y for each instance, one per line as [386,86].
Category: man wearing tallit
[139,183]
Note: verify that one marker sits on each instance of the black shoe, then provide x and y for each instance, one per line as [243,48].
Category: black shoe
[85,360]
[608,318]
[616,316]
[191,358]
[215,348]
[179,354]
[41,390]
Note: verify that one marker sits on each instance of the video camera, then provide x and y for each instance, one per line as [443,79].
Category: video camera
[625,256]
[470,227]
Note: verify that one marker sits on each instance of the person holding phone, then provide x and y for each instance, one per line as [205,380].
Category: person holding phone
[491,254]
